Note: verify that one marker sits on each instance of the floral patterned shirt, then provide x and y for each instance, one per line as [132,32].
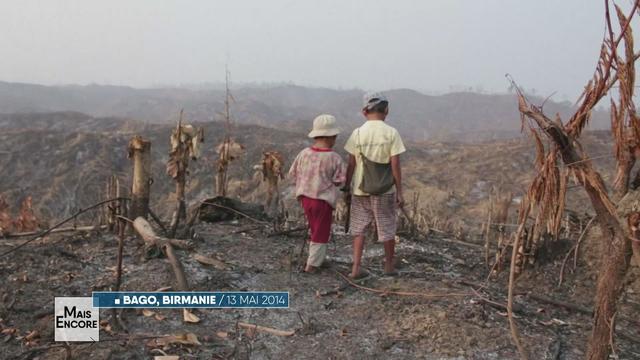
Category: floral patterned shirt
[318,173]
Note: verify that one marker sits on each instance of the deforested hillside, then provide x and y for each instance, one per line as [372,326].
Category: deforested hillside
[69,121]
[462,116]
[63,160]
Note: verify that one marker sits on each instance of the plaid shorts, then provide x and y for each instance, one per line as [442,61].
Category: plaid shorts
[378,208]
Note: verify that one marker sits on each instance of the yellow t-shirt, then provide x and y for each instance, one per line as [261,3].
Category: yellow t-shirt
[378,142]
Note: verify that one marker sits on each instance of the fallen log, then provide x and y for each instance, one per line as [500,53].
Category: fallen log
[267,330]
[143,228]
[223,209]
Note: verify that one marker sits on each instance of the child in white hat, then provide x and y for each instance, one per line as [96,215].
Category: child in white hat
[318,172]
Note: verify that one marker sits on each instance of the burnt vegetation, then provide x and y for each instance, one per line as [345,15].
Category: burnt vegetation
[495,260]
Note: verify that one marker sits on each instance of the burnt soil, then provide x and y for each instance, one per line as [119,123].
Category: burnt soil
[331,318]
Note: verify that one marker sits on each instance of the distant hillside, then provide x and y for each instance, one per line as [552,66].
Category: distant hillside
[461,116]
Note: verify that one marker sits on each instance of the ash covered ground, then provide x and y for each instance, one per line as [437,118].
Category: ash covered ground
[459,315]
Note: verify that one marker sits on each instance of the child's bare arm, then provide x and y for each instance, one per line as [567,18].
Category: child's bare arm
[350,169]
[397,176]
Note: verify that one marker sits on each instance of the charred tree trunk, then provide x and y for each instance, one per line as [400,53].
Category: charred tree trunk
[111,210]
[180,211]
[616,254]
[621,186]
[223,165]
[140,152]
[221,189]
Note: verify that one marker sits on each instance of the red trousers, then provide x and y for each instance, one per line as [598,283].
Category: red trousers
[319,216]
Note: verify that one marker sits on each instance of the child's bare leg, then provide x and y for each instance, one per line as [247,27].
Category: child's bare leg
[317,255]
[358,247]
[389,252]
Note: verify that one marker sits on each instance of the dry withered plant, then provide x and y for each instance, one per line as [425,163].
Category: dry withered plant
[185,145]
[545,199]
[272,173]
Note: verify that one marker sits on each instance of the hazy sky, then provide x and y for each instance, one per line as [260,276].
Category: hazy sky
[428,45]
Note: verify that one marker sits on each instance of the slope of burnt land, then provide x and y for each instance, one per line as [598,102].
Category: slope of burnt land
[63,161]
[455,315]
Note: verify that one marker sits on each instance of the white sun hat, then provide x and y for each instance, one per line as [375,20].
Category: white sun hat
[324,125]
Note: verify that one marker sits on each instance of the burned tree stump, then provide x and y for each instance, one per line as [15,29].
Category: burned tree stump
[140,151]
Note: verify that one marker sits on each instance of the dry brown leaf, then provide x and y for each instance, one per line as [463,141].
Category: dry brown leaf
[159,317]
[9,331]
[166,288]
[210,261]
[184,339]
[147,312]
[253,328]
[222,334]
[190,317]
[104,325]
[32,335]
[233,149]
[185,144]
[166,357]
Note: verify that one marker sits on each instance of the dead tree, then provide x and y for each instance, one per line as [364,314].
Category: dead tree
[111,210]
[140,152]
[272,173]
[228,151]
[221,174]
[546,193]
[185,145]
